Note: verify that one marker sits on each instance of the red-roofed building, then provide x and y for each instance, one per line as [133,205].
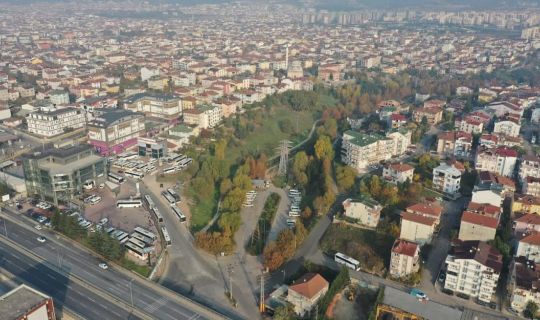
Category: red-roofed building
[527,222]
[476,226]
[501,160]
[404,259]
[529,246]
[427,209]
[454,143]
[417,228]
[397,120]
[531,186]
[306,292]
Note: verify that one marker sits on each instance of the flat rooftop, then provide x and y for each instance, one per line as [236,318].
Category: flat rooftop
[18,301]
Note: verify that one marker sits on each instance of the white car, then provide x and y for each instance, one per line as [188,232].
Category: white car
[41,239]
[38,227]
[103,266]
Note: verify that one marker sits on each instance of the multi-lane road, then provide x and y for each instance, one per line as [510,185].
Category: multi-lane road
[62,261]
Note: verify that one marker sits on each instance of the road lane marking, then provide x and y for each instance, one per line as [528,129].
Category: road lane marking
[51,276]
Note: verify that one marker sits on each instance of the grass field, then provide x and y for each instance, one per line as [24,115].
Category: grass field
[370,248]
[265,138]
[202,212]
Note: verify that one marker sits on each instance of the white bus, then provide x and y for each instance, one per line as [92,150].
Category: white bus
[185,162]
[173,194]
[166,236]
[178,213]
[158,214]
[135,203]
[167,196]
[347,261]
[174,158]
[145,233]
[134,175]
[149,202]
[170,170]
[116,178]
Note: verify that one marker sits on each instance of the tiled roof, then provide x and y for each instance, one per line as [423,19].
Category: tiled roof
[418,218]
[309,285]
[480,219]
[405,247]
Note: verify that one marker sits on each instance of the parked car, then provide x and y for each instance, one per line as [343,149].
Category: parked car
[442,276]
[103,266]
[41,239]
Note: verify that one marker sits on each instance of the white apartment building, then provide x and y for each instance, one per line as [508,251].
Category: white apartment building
[404,259]
[360,150]
[205,117]
[447,178]
[501,160]
[531,186]
[402,140]
[523,283]
[473,269]
[529,246]
[59,97]
[398,172]
[507,127]
[55,122]
[529,167]
[155,105]
[366,211]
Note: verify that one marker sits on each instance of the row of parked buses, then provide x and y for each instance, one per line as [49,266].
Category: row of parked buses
[177,162]
[151,206]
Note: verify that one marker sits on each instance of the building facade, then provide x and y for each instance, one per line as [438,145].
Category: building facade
[501,160]
[523,283]
[360,150]
[306,292]
[398,173]
[114,131]
[404,259]
[57,175]
[55,122]
[447,179]
[365,211]
[155,105]
[473,269]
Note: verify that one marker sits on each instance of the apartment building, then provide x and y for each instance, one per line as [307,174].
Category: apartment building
[359,150]
[472,123]
[365,211]
[404,258]
[454,144]
[59,97]
[204,116]
[401,139]
[417,228]
[528,222]
[447,179]
[501,160]
[398,173]
[155,105]
[523,283]
[57,174]
[476,226]
[531,186]
[526,204]
[473,269]
[528,245]
[426,209]
[492,180]
[433,115]
[529,166]
[56,121]
[112,131]
[507,126]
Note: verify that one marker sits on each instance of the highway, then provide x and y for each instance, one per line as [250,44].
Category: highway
[63,290]
[149,298]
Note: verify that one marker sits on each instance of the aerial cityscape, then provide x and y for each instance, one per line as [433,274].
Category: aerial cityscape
[279,159]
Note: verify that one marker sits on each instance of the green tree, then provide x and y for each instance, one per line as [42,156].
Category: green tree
[531,310]
[300,164]
[286,126]
[219,149]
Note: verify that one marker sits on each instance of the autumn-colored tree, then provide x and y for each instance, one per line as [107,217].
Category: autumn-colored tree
[219,149]
[300,164]
[324,148]
[345,177]
[307,213]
